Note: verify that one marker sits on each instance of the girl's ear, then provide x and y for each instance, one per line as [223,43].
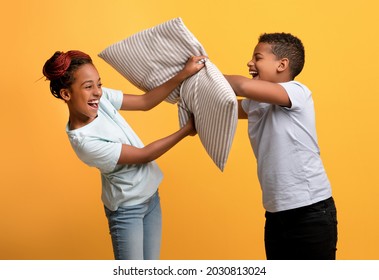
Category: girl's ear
[65,94]
[283,64]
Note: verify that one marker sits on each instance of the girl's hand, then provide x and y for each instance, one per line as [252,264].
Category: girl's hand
[190,126]
[194,64]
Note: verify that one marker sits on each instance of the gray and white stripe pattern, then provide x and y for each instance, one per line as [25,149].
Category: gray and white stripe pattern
[151,57]
[209,97]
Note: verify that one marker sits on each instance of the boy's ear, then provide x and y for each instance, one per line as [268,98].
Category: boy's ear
[65,94]
[283,65]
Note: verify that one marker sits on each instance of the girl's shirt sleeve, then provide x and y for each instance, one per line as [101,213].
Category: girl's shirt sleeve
[99,153]
[115,97]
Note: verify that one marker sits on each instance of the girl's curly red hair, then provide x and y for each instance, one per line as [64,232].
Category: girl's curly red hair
[59,69]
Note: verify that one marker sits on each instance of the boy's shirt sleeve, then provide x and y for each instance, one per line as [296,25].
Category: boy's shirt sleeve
[297,93]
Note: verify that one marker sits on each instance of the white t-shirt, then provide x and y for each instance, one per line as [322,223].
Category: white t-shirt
[99,143]
[284,142]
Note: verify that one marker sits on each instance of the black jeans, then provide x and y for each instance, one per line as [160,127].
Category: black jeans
[305,233]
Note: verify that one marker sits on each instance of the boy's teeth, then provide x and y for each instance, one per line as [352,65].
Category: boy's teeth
[253,73]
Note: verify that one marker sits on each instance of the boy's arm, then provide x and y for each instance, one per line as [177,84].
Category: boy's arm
[155,96]
[261,91]
[241,112]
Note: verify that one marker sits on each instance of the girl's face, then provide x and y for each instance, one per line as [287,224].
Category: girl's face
[83,96]
[264,64]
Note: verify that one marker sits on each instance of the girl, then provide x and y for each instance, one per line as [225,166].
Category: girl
[102,138]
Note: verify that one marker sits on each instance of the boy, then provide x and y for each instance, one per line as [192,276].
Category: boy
[301,220]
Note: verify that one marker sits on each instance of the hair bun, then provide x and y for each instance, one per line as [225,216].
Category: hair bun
[57,65]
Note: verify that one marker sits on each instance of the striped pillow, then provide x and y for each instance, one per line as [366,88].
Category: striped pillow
[151,57]
[209,97]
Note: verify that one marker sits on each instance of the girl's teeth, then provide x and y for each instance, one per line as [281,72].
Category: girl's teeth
[93,103]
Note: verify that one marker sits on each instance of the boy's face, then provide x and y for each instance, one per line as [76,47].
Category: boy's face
[264,65]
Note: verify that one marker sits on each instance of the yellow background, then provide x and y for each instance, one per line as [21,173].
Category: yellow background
[50,201]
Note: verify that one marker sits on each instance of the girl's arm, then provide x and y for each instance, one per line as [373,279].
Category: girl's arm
[133,155]
[261,91]
[152,98]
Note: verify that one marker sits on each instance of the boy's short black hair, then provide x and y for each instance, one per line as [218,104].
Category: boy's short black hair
[285,45]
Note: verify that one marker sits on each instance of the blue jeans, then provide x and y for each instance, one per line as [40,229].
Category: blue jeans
[305,233]
[136,231]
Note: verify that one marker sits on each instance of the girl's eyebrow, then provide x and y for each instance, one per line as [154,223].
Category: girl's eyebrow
[90,81]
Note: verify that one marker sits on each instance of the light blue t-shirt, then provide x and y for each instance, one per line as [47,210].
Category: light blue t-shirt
[99,143]
[284,141]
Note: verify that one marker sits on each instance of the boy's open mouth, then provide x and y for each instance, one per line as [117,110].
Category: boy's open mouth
[253,73]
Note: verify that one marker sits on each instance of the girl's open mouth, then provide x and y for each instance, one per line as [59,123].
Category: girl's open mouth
[94,104]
